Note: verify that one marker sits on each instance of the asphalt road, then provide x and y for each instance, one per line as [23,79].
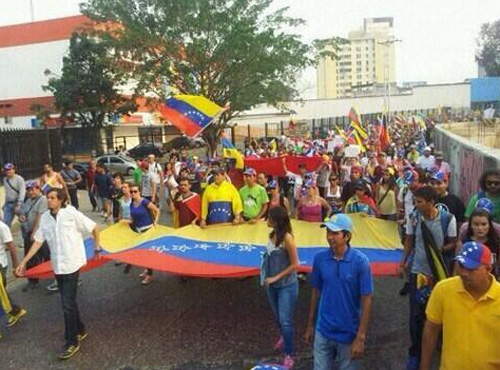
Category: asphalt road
[201,324]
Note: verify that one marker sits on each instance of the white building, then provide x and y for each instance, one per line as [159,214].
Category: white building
[368,58]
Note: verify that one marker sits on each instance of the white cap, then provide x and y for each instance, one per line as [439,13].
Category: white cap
[427,148]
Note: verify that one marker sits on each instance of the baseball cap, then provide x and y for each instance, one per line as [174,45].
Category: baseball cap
[8,166]
[410,177]
[250,171]
[439,155]
[309,184]
[357,169]
[427,149]
[438,176]
[338,222]
[32,184]
[473,255]
[272,184]
[485,204]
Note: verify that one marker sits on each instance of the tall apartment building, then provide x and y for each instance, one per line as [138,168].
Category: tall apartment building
[368,59]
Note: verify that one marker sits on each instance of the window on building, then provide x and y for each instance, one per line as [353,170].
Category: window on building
[358,56]
[8,120]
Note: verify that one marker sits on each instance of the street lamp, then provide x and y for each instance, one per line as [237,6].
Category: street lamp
[387,97]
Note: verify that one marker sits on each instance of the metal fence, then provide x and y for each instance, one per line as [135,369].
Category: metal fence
[30,149]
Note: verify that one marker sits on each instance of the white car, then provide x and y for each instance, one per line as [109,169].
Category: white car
[118,163]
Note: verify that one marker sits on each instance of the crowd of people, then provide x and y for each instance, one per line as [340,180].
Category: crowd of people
[407,182]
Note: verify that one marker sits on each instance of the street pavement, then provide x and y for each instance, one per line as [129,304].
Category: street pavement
[200,324]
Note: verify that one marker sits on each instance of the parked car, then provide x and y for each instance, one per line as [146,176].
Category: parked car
[180,142]
[118,163]
[144,149]
[82,170]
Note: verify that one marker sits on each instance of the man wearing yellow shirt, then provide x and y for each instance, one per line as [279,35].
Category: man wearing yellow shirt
[221,201]
[467,309]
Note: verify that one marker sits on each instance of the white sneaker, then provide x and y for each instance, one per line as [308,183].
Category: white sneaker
[53,287]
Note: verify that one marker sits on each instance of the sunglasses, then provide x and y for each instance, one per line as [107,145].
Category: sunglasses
[134,191]
[333,178]
[492,183]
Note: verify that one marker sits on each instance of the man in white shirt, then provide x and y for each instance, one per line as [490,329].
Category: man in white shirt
[64,229]
[426,161]
[6,242]
[156,174]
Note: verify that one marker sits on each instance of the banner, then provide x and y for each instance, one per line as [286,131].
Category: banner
[233,251]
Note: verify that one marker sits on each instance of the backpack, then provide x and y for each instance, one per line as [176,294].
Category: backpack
[445,217]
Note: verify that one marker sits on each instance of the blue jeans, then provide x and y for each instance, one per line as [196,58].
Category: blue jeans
[328,352]
[73,325]
[8,213]
[283,301]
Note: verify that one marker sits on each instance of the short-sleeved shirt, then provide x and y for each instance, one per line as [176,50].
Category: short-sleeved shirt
[496,203]
[104,183]
[70,176]
[253,198]
[141,217]
[454,205]
[471,328]
[341,284]
[420,263]
[32,207]
[5,237]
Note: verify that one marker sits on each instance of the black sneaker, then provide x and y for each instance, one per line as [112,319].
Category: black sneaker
[68,352]
[405,289]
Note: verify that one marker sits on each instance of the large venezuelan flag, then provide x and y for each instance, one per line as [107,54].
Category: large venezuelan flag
[235,251]
[189,113]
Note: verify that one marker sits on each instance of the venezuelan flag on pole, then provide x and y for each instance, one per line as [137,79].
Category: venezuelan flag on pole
[190,113]
[229,151]
[356,123]
[384,138]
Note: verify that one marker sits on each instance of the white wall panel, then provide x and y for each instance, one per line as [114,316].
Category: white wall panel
[22,67]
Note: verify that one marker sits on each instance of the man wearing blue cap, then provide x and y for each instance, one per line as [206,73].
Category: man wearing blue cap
[466,309]
[342,283]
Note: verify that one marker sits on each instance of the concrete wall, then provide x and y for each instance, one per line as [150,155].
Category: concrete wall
[467,159]
[456,96]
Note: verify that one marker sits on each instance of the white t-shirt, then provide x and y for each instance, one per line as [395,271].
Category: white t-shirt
[407,201]
[426,163]
[5,237]
[155,171]
[65,236]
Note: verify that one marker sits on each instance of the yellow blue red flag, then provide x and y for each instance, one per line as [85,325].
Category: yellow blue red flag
[229,151]
[190,113]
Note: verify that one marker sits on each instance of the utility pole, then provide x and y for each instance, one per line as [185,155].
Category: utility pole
[387,96]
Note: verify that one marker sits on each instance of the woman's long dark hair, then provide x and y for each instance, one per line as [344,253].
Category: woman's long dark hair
[493,241]
[281,224]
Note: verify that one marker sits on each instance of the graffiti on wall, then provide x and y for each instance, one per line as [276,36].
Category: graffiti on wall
[471,168]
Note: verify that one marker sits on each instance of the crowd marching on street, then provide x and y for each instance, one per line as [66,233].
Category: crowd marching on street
[449,263]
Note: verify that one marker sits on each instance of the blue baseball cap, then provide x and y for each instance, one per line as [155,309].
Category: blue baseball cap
[485,204]
[438,176]
[272,184]
[250,171]
[473,255]
[8,166]
[32,184]
[338,222]
[410,177]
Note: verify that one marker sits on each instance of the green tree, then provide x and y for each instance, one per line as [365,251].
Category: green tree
[488,53]
[237,51]
[87,89]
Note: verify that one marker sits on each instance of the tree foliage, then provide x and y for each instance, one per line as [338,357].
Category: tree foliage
[87,90]
[237,51]
[488,53]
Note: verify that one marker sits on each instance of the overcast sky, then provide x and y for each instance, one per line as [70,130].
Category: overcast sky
[438,36]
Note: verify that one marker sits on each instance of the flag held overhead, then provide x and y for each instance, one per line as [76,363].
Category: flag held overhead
[190,113]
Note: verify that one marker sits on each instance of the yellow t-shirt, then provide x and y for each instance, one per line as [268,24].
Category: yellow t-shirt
[471,328]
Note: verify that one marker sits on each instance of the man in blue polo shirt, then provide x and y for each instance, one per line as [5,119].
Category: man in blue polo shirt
[342,283]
